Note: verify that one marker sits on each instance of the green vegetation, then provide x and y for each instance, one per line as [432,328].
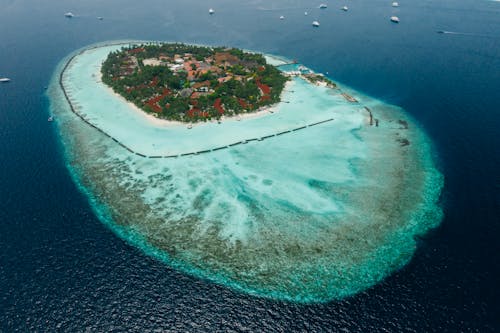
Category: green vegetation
[192,83]
[319,79]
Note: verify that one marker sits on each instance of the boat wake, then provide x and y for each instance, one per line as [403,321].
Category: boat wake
[472,34]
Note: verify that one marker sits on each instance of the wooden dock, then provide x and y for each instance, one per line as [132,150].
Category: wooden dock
[349,98]
[371,115]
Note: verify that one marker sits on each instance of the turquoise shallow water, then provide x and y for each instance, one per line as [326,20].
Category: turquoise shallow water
[308,216]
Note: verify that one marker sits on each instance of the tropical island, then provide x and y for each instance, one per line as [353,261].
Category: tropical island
[191,83]
[228,202]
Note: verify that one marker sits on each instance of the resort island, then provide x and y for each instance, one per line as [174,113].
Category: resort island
[191,83]
[283,205]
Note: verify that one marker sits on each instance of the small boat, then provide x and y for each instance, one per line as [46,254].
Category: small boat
[282,17]
[100,18]
[4,80]
[395,19]
[395,4]
[345,9]
[211,11]
[305,13]
[315,24]
[50,119]
[190,126]
[69,15]
[323,6]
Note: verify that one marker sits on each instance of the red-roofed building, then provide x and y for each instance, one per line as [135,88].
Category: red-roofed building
[265,89]
[153,102]
[224,79]
[136,50]
[218,106]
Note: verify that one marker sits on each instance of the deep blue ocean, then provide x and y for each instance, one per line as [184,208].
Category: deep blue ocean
[62,270]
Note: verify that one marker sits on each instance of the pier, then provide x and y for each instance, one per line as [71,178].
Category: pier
[294,62]
[371,115]
[349,98]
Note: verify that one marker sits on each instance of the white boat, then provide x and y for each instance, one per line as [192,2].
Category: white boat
[189,126]
[50,119]
[395,19]
[315,24]
[211,11]
[305,13]
[323,6]
[345,9]
[69,14]
[395,4]
[4,80]
[100,18]
[282,17]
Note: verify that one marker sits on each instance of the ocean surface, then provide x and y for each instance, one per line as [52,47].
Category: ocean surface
[61,269]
